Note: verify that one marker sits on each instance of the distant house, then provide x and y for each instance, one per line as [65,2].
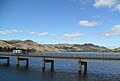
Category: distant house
[17,51]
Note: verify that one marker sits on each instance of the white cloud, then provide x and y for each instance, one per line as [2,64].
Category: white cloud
[113,4]
[88,23]
[70,37]
[14,30]
[115,31]
[105,3]
[73,35]
[117,7]
[32,33]
[63,38]
[43,34]
[46,34]
[5,32]
[67,39]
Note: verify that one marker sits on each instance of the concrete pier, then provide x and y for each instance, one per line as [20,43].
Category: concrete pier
[79,57]
[8,59]
[52,64]
[85,66]
[47,61]
[80,63]
[17,61]
[22,59]
[43,63]
[79,66]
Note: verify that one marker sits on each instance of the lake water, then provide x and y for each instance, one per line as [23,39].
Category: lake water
[64,70]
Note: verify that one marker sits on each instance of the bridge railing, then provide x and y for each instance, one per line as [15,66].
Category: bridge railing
[70,55]
[99,56]
[85,55]
[5,53]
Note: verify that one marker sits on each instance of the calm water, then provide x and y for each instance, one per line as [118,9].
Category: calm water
[65,70]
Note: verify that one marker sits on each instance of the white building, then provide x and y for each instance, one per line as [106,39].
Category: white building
[17,51]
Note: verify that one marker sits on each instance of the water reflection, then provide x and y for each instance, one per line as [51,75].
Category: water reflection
[85,73]
[63,71]
[5,65]
[82,75]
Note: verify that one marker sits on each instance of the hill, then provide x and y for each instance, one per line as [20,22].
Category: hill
[29,44]
[116,49]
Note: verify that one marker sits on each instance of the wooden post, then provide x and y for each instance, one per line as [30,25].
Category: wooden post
[79,66]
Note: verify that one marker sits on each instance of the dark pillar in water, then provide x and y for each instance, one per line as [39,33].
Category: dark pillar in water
[85,67]
[27,63]
[17,61]
[6,58]
[79,66]
[43,63]
[22,59]
[80,63]
[52,65]
[8,61]
[47,61]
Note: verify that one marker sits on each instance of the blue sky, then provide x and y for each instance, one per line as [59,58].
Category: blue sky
[61,21]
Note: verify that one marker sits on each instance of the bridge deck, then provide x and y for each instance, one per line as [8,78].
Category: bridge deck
[66,56]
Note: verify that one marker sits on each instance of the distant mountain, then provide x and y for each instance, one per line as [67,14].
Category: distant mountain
[29,44]
[116,49]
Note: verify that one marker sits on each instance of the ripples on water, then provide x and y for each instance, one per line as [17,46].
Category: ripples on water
[65,70]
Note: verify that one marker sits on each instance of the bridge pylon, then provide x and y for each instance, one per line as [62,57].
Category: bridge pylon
[80,63]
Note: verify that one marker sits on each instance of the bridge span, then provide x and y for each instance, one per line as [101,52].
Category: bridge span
[80,57]
[67,55]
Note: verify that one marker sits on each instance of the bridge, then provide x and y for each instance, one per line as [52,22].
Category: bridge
[61,55]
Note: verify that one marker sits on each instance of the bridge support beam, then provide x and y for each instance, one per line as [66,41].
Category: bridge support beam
[85,66]
[79,66]
[22,59]
[8,59]
[52,64]
[43,63]
[80,63]
[47,61]
[17,61]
